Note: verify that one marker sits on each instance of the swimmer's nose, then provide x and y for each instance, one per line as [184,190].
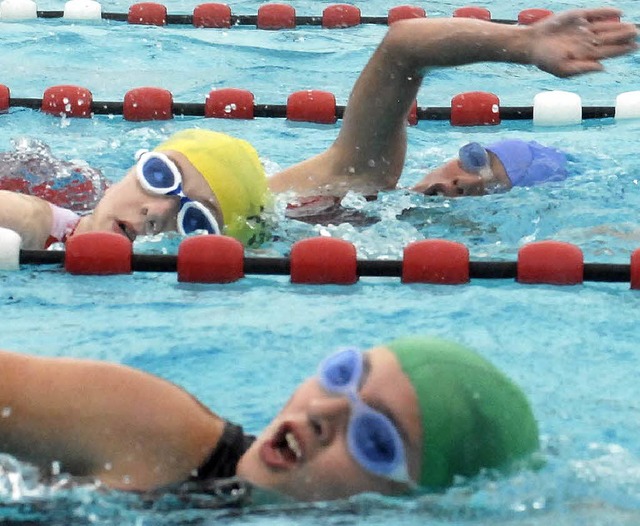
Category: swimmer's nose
[328,417]
[159,215]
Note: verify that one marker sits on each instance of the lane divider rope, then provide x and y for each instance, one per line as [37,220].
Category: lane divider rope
[269,16]
[550,108]
[322,260]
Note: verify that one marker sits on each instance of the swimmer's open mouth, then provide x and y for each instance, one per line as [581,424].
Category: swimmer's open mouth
[435,189]
[127,231]
[439,190]
[284,449]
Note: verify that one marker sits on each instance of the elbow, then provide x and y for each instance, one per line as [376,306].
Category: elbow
[396,41]
[404,46]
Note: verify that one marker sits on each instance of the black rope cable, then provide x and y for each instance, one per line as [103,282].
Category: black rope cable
[279,111]
[600,272]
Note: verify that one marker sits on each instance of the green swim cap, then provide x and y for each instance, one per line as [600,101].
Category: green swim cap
[473,416]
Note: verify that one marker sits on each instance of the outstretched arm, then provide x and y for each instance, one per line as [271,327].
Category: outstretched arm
[369,153]
[130,429]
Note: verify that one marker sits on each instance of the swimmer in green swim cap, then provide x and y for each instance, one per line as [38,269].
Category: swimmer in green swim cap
[412,413]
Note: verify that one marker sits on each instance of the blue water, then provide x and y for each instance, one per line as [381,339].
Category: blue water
[242,348]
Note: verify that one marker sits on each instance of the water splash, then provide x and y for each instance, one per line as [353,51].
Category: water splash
[31,168]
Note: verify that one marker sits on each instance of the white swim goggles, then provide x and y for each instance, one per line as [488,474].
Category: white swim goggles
[159,175]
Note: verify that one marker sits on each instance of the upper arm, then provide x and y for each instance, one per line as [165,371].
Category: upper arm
[29,216]
[368,154]
[372,139]
[128,428]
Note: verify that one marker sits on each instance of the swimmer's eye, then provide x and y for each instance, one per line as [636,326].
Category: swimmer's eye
[375,441]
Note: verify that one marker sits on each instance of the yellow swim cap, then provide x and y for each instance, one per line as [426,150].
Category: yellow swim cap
[234,173]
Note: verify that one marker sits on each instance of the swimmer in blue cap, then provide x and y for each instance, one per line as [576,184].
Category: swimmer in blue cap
[411,414]
[497,167]
[186,186]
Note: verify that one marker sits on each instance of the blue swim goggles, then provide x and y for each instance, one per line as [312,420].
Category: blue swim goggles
[372,438]
[159,175]
[475,159]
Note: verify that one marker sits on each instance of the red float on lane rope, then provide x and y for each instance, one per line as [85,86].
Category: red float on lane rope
[210,259]
[403,12]
[98,253]
[552,262]
[435,261]
[312,106]
[229,103]
[5,97]
[148,104]
[635,269]
[481,13]
[71,101]
[533,15]
[212,15]
[475,108]
[276,16]
[323,260]
[340,15]
[147,13]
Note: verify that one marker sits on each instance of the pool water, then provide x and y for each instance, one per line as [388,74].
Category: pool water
[242,348]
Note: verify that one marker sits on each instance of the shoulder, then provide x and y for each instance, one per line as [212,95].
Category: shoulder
[225,453]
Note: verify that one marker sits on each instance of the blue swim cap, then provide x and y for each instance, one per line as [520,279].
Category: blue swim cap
[530,163]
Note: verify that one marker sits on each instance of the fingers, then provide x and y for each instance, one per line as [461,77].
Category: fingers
[586,17]
[579,67]
[601,13]
[609,33]
[614,50]
[611,39]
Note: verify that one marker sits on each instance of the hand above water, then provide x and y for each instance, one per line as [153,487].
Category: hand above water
[576,41]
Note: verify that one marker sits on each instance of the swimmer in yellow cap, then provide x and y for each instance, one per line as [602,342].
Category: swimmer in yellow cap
[218,185]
